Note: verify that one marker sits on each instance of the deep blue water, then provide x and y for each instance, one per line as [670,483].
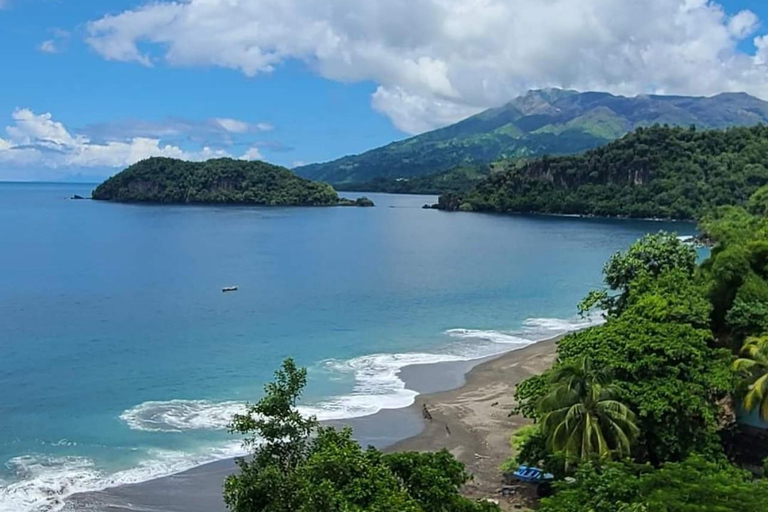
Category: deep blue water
[121,359]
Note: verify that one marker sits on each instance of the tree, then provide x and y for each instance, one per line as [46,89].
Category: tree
[753,368]
[298,466]
[582,417]
[649,257]
[279,439]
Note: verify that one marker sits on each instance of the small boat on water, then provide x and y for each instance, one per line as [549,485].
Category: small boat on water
[229,289]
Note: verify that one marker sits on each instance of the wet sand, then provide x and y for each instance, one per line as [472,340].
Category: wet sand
[471,420]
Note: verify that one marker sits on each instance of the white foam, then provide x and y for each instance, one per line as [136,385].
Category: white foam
[377,384]
[555,326]
[500,337]
[46,482]
[181,415]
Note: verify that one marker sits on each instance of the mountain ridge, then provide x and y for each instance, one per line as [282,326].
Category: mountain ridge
[540,122]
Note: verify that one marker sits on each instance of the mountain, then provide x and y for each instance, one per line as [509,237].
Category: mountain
[661,172]
[542,122]
[220,181]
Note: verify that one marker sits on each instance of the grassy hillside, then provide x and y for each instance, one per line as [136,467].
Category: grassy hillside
[542,122]
[664,172]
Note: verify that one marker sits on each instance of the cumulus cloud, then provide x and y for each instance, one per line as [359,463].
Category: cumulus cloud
[37,139]
[435,61]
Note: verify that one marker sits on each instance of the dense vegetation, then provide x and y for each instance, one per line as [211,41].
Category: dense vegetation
[640,410]
[458,180]
[542,122]
[664,172]
[167,180]
[300,467]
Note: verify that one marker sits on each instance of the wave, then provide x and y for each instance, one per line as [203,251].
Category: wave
[377,382]
[44,483]
[180,415]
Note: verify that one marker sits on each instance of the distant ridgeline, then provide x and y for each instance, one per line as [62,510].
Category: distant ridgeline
[657,172]
[219,181]
[542,122]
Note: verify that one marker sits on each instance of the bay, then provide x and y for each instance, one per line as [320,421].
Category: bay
[121,359]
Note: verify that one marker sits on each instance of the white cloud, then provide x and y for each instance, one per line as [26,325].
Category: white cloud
[233,125]
[435,61]
[252,154]
[48,46]
[36,139]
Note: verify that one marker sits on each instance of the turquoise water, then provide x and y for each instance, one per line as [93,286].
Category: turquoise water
[122,360]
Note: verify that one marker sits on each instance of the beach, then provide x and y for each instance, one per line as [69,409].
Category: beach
[469,403]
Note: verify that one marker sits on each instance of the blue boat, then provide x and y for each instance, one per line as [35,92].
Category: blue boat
[532,475]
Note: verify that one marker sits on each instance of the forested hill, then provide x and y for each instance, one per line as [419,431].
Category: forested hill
[167,180]
[542,122]
[660,172]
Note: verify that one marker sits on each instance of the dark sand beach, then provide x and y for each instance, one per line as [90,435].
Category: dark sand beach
[471,419]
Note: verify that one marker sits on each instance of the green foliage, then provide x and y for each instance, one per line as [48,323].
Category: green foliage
[658,172]
[694,485]
[457,180]
[659,347]
[297,466]
[640,265]
[604,487]
[543,122]
[738,272]
[752,367]
[758,203]
[219,181]
[698,485]
[581,415]
[433,480]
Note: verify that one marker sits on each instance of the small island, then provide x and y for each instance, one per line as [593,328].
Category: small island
[217,181]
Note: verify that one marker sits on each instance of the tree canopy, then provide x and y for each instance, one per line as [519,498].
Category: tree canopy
[220,181]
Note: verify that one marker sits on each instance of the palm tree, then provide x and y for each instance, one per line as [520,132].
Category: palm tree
[753,366]
[581,416]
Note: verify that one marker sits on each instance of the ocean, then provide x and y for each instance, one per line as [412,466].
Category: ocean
[121,360]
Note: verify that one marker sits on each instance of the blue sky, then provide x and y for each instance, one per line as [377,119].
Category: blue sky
[88,89]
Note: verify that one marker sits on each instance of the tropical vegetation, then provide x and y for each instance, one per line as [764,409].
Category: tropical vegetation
[653,172]
[297,466]
[218,181]
[541,122]
[684,348]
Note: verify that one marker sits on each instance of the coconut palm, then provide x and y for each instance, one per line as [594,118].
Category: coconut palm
[753,367]
[581,416]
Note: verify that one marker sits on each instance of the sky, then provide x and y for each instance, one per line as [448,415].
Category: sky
[89,86]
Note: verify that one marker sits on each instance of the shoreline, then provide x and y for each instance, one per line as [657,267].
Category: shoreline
[469,402]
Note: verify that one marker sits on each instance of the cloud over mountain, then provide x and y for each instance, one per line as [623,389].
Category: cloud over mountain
[437,61]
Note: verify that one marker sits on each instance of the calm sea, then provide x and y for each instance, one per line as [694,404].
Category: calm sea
[121,359]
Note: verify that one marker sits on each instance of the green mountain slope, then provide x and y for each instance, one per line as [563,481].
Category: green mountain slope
[167,180]
[664,172]
[542,122]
